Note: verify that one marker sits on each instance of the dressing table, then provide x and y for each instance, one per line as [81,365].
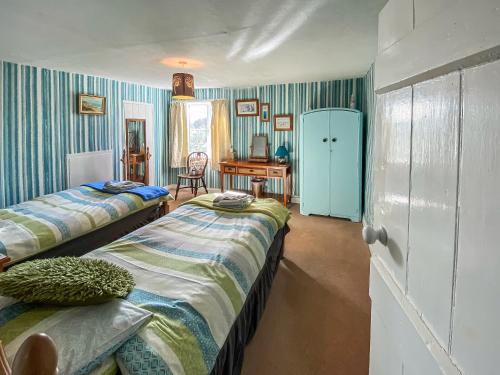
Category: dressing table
[258,169]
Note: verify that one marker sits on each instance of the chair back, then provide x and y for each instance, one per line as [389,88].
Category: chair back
[197,163]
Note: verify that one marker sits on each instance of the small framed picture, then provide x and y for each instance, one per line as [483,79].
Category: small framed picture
[265,108]
[91,104]
[283,122]
[247,107]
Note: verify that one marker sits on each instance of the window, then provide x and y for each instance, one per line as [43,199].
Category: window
[199,118]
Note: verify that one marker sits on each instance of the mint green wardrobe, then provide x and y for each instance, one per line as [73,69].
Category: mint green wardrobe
[331,163]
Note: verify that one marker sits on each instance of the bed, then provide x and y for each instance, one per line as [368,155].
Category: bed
[71,222]
[204,273]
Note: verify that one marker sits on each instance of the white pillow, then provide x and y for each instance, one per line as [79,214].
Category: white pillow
[85,336]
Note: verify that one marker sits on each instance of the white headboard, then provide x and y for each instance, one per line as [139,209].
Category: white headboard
[89,166]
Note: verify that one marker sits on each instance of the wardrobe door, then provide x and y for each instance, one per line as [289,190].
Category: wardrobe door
[345,171]
[315,159]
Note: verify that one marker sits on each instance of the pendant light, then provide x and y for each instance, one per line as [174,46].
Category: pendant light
[182,85]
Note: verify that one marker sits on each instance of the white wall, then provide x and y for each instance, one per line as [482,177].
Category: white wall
[435,286]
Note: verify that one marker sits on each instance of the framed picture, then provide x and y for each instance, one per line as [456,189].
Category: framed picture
[91,104]
[283,122]
[265,109]
[247,107]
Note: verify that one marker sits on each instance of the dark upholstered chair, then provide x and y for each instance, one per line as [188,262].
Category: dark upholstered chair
[196,165]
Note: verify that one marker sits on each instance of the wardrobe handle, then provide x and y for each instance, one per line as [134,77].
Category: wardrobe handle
[371,235]
[325,139]
[334,139]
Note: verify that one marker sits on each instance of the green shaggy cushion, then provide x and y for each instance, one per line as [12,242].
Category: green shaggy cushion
[66,281]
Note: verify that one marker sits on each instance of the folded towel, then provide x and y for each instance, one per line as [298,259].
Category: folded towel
[149,192]
[233,200]
[120,186]
[232,195]
[145,192]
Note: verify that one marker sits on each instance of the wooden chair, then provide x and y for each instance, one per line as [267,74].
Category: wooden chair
[196,165]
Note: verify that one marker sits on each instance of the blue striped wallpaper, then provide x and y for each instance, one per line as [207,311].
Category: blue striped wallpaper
[39,123]
[292,98]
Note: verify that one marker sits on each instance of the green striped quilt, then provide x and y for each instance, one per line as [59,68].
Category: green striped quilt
[34,226]
[193,270]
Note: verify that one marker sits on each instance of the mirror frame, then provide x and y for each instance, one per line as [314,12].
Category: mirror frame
[256,158]
[126,150]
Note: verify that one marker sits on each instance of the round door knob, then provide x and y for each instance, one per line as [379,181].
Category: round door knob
[334,139]
[325,139]
[371,235]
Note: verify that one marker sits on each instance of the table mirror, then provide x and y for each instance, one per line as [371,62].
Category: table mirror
[259,150]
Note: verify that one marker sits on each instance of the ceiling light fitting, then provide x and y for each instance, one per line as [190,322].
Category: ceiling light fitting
[182,85]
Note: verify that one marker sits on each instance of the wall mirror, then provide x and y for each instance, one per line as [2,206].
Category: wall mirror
[259,150]
[136,152]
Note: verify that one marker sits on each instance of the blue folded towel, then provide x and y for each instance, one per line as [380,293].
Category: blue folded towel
[149,192]
[145,192]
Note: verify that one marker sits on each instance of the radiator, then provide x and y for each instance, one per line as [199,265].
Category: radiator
[89,166]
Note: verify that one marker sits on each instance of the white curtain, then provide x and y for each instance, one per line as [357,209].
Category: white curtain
[220,133]
[179,147]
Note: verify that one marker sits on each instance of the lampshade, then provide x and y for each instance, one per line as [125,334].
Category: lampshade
[281,152]
[182,86]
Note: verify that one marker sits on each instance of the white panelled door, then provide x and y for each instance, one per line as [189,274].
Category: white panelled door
[435,286]
[433,200]
[476,328]
[392,178]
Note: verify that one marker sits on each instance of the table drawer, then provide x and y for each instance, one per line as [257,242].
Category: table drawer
[229,169]
[275,172]
[252,171]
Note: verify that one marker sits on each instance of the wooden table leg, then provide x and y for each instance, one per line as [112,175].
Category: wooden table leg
[222,181]
[164,209]
[230,182]
[284,191]
[291,186]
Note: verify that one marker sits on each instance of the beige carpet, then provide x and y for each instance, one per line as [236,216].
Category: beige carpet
[317,318]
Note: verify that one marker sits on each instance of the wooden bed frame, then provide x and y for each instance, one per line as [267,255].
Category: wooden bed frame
[97,238]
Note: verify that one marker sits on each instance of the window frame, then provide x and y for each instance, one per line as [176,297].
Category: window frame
[207,103]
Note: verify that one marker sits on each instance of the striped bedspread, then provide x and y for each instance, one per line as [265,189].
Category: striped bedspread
[34,226]
[193,269]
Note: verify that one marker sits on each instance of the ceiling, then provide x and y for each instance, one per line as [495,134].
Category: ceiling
[233,42]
